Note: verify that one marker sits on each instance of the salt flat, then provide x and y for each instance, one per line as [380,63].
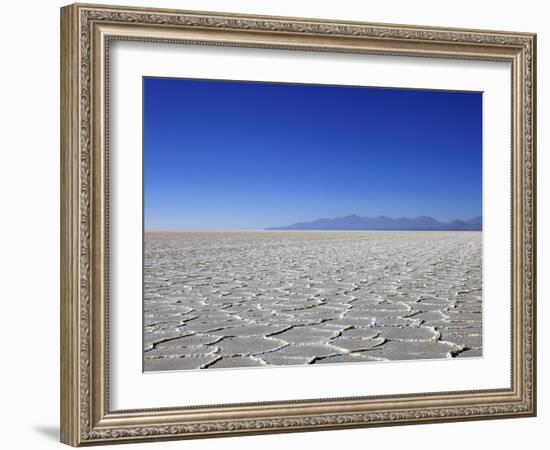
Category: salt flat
[242,299]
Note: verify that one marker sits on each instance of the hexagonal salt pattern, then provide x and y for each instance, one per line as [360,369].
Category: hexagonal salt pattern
[246,299]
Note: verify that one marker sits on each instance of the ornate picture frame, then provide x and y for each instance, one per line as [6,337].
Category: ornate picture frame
[87,31]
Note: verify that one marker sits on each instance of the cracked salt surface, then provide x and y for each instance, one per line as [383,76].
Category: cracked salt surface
[245,299]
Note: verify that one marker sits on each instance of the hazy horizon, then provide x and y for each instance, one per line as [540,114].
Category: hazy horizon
[225,155]
[267,228]
[235,230]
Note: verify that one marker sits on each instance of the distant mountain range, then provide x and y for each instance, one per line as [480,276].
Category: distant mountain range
[355,222]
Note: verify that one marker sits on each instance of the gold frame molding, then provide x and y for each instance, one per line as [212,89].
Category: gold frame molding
[86,31]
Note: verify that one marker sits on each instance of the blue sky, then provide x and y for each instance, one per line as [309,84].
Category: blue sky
[246,155]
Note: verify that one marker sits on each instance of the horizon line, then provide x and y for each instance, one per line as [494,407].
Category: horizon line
[277,228]
[237,230]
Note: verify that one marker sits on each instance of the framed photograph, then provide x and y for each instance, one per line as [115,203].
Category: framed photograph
[275,224]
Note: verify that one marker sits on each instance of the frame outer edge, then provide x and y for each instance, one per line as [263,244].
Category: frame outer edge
[79,336]
[69,183]
[535,374]
[533,218]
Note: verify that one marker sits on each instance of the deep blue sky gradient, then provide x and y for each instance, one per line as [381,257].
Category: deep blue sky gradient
[242,155]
